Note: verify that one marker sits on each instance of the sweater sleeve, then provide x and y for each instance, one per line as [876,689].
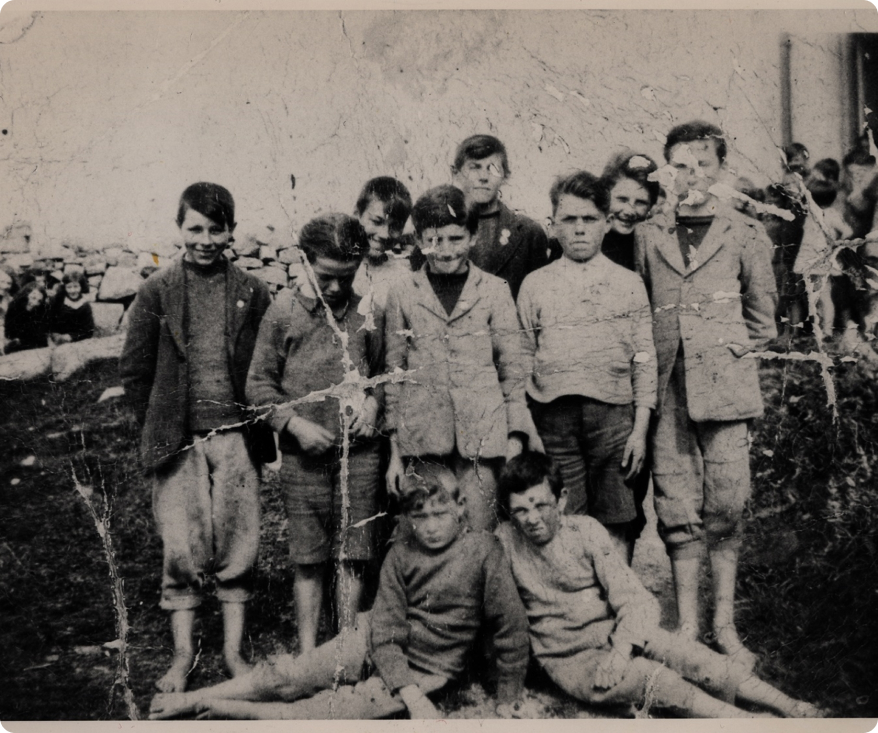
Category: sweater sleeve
[758,288]
[505,615]
[636,609]
[390,628]
[528,317]
[644,371]
[265,377]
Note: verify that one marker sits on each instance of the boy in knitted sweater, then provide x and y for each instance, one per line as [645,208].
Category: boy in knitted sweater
[439,584]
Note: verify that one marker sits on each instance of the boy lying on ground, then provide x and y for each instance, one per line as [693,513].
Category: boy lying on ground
[439,584]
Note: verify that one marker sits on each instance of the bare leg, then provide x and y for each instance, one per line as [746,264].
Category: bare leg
[755,690]
[670,690]
[348,592]
[182,629]
[233,628]
[687,571]
[621,542]
[308,592]
[724,567]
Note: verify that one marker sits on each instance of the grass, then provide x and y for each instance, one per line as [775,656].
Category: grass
[807,595]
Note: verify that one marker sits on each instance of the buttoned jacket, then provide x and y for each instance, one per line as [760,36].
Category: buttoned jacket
[726,296]
[154,367]
[464,378]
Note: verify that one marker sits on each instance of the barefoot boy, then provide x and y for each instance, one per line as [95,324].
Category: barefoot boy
[594,627]
[707,269]
[588,335]
[310,342]
[453,327]
[439,585]
[191,335]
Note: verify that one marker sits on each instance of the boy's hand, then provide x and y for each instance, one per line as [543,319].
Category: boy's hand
[395,474]
[418,704]
[611,670]
[635,453]
[313,438]
[514,447]
[363,425]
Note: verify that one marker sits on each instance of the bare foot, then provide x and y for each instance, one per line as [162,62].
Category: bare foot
[236,665]
[171,704]
[174,680]
[803,709]
[688,631]
[728,643]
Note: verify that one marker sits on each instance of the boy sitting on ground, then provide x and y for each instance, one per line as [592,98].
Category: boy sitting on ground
[594,628]
[439,584]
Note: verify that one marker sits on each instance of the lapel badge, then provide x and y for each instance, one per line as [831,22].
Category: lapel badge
[240,304]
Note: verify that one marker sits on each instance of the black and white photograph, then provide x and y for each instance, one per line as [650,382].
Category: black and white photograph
[438,364]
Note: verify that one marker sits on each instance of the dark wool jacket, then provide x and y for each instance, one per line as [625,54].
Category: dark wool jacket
[153,362]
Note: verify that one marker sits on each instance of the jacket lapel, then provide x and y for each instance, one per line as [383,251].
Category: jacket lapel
[238,295]
[428,299]
[667,244]
[712,241]
[174,303]
[469,296]
[502,253]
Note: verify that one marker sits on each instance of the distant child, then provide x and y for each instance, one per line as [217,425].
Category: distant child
[301,351]
[383,208]
[707,269]
[860,189]
[8,289]
[191,332]
[592,380]
[507,244]
[453,329]
[71,317]
[594,628]
[439,586]
[27,319]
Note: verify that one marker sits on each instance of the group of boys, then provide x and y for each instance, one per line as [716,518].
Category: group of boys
[438,375]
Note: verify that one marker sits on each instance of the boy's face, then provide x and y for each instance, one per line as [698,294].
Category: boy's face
[5,282]
[205,240]
[73,290]
[447,248]
[537,513]
[34,298]
[580,227]
[437,523]
[335,279]
[378,228]
[860,175]
[480,180]
[629,205]
[697,166]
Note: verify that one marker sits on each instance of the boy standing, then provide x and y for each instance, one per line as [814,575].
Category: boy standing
[712,290]
[592,379]
[507,244]
[191,334]
[594,627]
[308,342]
[439,585]
[453,327]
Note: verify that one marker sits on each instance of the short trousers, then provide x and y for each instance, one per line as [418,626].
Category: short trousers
[586,438]
[320,527]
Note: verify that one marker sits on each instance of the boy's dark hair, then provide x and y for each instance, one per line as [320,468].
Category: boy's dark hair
[210,200]
[794,149]
[823,192]
[828,168]
[858,156]
[478,147]
[76,276]
[636,166]
[582,185]
[337,237]
[393,194]
[424,481]
[442,206]
[526,470]
[689,132]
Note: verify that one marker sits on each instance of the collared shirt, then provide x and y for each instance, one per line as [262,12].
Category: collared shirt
[588,329]
[298,353]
